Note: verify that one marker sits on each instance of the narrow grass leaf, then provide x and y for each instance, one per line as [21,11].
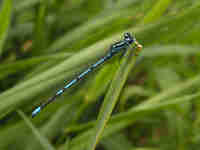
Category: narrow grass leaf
[124,119]
[5,19]
[16,95]
[43,141]
[111,98]
[156,12]
[26,4]
[175,90]
[21,65]
[40,40]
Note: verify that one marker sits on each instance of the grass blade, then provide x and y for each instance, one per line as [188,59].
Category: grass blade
[5,18]
[112,97]
[43,141]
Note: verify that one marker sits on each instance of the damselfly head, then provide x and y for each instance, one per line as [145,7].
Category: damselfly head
[128,38]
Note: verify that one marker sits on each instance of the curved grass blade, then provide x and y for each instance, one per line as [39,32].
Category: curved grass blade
[43,141]
[159,8]
[126,119]
[14,96]
[111,98]
[20,65]
[5,18]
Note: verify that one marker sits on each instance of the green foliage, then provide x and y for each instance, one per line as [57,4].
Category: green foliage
[5,18]
[145,102]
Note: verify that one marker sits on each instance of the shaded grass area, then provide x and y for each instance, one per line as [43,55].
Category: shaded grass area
[149,102]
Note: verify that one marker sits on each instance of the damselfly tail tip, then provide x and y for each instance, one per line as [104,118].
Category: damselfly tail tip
[36,111]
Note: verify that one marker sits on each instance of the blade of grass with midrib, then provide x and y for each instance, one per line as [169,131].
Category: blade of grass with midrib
[111,98]
[5,18]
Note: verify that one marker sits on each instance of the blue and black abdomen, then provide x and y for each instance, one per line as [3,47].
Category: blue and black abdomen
[114,49]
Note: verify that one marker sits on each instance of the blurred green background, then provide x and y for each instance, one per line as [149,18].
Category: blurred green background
[45,43]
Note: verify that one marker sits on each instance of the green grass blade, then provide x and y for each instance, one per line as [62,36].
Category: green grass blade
[26,4]
[40,40]
[111,98]
[43,141]
[17,66]
[121,121]
[5,19]
[11,99]
[159,8]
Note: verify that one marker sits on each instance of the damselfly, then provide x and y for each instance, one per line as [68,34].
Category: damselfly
[115,48]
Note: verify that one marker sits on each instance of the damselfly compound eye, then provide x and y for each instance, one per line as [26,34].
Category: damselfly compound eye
[128,38]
